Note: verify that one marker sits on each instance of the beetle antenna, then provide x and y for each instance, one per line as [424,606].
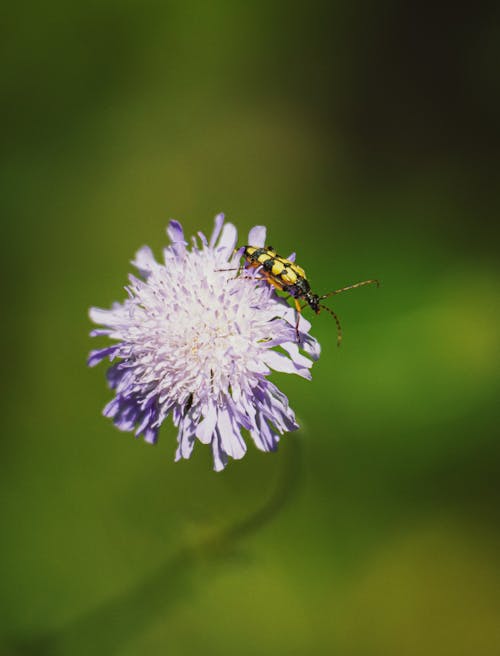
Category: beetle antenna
[344,289]
[339,328]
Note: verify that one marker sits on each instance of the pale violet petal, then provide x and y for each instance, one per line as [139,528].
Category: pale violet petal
[175,232]
[280,362]
[227,240]
[290,315]
[232,442]
[96,356]
[151,435]
[104,317]
[218,221]
[185,438]
[144,260]
[257,236]
[292,349]
[204,240]
[265,439]
[206,427]
[178,246]
[220,456]
[311,346]
[257,367]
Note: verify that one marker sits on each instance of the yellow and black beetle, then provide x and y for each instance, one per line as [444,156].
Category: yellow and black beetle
[290,278]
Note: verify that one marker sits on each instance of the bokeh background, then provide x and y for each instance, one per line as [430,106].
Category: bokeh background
[365,137]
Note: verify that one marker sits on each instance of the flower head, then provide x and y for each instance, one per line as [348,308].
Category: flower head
[198,343]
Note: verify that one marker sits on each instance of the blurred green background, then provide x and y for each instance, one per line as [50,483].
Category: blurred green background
[364,136]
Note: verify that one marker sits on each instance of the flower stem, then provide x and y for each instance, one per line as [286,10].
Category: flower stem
[110,627]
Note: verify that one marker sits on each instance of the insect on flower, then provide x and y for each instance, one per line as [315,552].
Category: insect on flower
[199,346]
[288,277]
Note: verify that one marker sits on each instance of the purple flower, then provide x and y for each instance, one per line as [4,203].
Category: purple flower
[199,344]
